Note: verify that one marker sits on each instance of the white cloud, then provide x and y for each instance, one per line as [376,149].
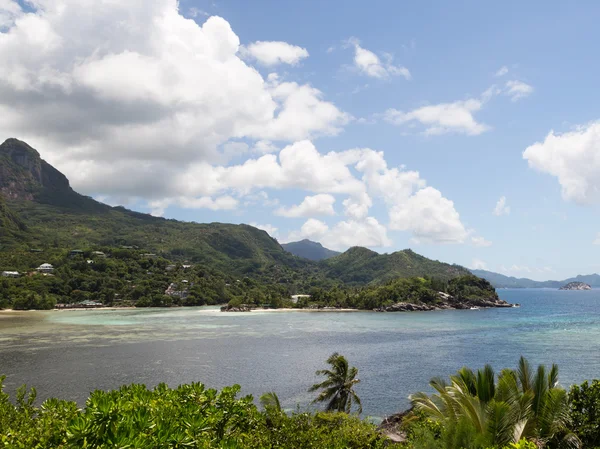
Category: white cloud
[221,203]
[478,264]
[480,241]
[264,147]
[442,118]
[313,229]
[430,217]
[134,101]
[367,232]
[272,53]
[517,90]
[371,65]
[502,71]
[321,204]
[268,228]
[357,207]
[128,97]
[501,207]
[574,158]
[597,240]
[9,11]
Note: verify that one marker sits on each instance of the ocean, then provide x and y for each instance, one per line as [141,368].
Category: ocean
[67,354]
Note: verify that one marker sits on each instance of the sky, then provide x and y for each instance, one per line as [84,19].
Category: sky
[468,131]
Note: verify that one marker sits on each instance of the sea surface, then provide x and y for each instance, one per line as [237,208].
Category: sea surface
[67,354]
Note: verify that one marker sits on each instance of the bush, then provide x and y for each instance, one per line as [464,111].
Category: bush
[189,416]
[585,412]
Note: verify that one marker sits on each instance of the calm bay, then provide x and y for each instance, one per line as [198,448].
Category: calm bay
[67,354]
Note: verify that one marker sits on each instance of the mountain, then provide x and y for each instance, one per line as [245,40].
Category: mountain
[362,266]
[309,250]
[500,281]
[40,210]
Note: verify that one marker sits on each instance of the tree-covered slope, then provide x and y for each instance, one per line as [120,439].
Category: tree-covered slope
[309,250]
[57,218]
[362,266]
[12,228]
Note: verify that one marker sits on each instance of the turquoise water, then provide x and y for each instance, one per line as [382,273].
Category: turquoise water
[70,353]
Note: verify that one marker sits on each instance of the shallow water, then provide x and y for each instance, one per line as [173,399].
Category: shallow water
[70,353]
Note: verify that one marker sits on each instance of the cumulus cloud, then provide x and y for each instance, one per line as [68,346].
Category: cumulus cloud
[9,11]
[456,117]
[574,158]
[368,63]
[125,97]
[221,203]
[133,100]
[480,241]
[321,204]
[430,217]
[501,207]
[272,53]
[502,71]
[346,233]
[517,90]
[478,264]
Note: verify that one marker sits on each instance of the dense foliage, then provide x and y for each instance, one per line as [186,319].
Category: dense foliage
[585,412]
[477,410]
[189,416]
[519,409]
[118,276]
[416,290]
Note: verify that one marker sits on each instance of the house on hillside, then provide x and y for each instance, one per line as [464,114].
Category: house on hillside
[295,298]
[10,274]
[171,267]
[75,252]
[45,268]
[98,254]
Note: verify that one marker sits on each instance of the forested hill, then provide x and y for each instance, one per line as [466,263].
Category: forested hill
[40,210]
[309,250]
[361,266]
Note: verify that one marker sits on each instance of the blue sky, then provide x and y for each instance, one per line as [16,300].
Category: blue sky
[143,107]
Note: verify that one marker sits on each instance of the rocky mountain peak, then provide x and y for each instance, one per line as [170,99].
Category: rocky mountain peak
[25,175]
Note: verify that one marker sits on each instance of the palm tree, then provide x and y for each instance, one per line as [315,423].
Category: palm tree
[270,402]
[338,388]
[520,405]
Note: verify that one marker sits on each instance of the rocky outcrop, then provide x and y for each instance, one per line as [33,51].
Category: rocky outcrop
[446,302]
[576,286]
[240,308]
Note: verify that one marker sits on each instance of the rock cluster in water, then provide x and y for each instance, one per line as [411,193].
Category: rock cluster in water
[446,302]
[576,286]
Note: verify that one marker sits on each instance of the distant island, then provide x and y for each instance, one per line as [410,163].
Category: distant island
[576,286]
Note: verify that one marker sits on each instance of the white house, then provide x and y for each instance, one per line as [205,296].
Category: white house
[45,268]
[10,274]
[295,298]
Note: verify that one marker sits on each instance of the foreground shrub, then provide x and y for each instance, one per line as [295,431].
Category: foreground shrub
[189,416]
[585,412]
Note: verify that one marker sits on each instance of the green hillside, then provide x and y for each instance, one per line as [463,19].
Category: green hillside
[309,250]
[362,266]
[42,211]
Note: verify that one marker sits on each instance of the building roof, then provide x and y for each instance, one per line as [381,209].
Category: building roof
[45,265]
